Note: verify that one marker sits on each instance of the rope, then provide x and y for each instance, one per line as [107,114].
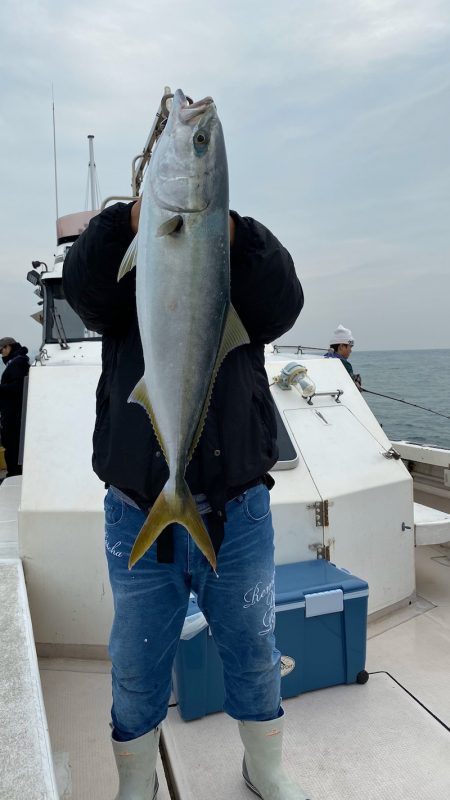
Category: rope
[406,402]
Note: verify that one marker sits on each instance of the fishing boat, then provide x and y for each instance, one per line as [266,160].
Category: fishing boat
[344,494]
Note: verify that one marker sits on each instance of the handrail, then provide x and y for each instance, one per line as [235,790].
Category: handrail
[115,198]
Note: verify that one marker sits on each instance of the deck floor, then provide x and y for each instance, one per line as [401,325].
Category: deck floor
[387,739]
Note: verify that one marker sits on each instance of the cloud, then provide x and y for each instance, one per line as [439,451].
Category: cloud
[335,115]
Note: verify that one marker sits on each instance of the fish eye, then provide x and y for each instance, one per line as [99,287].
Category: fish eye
[201,139]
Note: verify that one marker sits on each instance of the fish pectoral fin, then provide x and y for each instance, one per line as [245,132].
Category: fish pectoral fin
[169,508]
[234,334]
[140,395]
[129,260]
[172,225]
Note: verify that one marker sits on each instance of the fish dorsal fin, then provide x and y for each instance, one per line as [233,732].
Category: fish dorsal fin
[140,395]
[234,335]
[129,260]
[171,225]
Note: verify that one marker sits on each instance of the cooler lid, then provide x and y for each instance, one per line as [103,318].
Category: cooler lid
[294,581]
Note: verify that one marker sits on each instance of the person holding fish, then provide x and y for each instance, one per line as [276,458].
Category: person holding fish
[186,294]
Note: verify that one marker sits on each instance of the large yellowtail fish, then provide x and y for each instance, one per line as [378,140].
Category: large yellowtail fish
[186,321]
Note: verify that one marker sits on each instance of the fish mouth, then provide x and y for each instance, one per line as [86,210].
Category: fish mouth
[182,186]
[191,112]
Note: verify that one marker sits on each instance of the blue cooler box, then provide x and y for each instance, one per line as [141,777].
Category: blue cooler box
[321,625]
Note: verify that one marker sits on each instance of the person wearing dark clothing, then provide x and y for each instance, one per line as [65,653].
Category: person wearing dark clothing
[228,478]
[17,365]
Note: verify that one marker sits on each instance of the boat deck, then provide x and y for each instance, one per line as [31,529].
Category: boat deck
[387,739]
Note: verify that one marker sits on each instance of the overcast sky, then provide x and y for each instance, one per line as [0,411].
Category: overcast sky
[336,119]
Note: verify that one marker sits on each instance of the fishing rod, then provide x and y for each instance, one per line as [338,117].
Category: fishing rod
[406,402]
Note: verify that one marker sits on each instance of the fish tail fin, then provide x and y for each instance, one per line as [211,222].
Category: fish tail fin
[172,507]
[193,522]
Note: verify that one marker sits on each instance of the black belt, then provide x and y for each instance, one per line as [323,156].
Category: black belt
[235,491]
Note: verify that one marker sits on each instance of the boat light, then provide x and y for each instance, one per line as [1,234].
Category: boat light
[295,374]
[34,277]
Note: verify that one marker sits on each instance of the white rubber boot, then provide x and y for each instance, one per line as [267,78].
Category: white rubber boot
[136,765]
[262,768]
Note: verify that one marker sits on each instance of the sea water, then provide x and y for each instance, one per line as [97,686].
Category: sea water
[418,376]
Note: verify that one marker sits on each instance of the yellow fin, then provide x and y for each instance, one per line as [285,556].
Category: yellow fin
[140,395]
[234,335]
[171,225]
[169,508]
[129,260]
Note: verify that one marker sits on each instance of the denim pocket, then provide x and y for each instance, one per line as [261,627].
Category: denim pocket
[114,509]
[257,503]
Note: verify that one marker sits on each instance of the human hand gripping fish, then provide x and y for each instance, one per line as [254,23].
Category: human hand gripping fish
[182,255]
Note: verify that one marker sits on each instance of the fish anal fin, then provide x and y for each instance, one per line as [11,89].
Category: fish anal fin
[168,508]
[140,395]
[129,260]
[172,225]
[234,335]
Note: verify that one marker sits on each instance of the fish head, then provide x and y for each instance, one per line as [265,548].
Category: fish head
[189,167]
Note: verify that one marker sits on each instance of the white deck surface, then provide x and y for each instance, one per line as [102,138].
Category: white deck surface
[344,743]
[372,742]
[9,503]
[26,766]
[78,699]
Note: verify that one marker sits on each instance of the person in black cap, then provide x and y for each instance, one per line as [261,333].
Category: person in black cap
[17,365]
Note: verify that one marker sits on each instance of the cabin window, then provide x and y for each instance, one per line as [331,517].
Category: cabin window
[61,321]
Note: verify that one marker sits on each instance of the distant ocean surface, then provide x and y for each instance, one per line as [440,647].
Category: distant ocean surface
[419,376]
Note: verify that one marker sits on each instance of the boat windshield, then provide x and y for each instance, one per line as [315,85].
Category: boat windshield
[61,321]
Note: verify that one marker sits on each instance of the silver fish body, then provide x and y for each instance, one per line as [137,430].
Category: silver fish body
[186,322]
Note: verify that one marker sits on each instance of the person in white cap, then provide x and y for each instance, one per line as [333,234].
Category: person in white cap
[341,346]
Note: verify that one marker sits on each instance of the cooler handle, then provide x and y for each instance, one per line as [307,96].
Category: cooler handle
[319,603]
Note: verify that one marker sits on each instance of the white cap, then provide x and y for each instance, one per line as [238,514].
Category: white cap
[342,336]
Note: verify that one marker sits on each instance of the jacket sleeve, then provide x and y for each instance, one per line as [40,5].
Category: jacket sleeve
[265,289]
[91,267]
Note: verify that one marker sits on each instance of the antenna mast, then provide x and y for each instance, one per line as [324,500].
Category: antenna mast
[54,155]
[92,179]
[92,172]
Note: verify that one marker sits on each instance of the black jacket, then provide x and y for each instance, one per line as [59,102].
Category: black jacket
[238,443]
[11,386]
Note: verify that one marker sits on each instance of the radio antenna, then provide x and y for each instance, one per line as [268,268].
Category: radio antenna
[54,154]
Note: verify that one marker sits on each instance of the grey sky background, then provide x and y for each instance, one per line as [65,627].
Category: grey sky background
[336,118]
